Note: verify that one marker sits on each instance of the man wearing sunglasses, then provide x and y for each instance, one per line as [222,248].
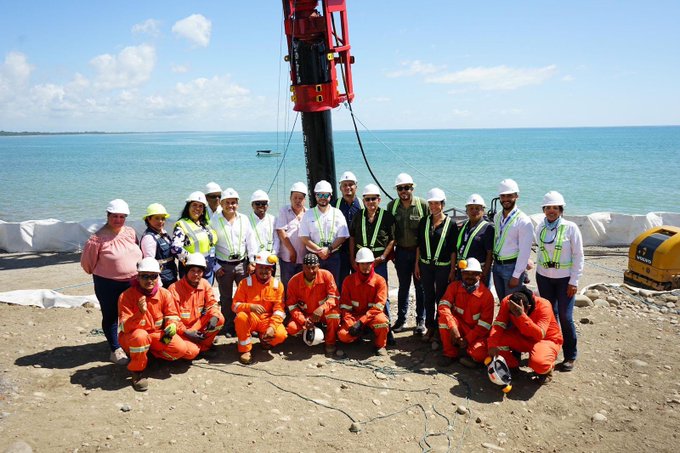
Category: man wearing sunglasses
[263,224]
[324,229]
[407,210]
[213,193]
[350,205]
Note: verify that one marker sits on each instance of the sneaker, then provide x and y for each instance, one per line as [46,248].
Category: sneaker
[119,357]
[420,329]
[139,382]
[381,352]
[330,349]
[567,365]
[399,326]
[542,379]
[469,363]
[246,358]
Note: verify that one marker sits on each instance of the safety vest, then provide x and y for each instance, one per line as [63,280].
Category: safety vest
[268,243]
[163,255]
[374,237]
[435,259]
[203,236]
[463,251]
[234,249]
[547,261]
[325,240]
[499,236]
[416,201]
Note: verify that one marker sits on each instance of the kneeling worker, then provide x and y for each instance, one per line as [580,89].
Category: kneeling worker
[362,303]
[465,316]
[198,309]
[258,304]
[312,299]
[147,321]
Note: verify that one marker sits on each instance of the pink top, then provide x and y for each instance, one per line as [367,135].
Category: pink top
[289,222]
[112,256]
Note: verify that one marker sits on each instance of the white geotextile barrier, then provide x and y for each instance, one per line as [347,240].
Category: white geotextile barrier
[46,298]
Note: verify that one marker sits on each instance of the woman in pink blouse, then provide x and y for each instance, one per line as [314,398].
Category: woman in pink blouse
[111,256]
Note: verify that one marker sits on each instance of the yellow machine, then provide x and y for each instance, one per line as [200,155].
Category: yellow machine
[654,259]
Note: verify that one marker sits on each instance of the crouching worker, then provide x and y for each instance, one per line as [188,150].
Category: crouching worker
[199,311]
[362,303]
[258,304]
[526,323]
[312,301]
[147,321]
[465,316]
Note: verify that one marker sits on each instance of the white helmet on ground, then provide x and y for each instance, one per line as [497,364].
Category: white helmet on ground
[313,336]
[553,198]
[475,199]
[259,195]
[436,195]
[499,372]
[403,178]
[266,258]
[507,186]
[229,193]
[196,259]
[299,187]
[370,189]
[364,255]
[118,206]
[348,176]
[197,196]
[470,265]
[323,186]
[149,264]
[212,187]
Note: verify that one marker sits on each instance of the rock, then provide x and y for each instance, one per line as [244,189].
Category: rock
[125,408]
[19,447]
[599,418]
[380,375]
[670,298]
[601,303]
[583,301]
[592,294]
[355,427]
[637,363]
[377,402]
[462,410]
[490,446]
[586,321]
[221,421]
[613,300]
[670,304]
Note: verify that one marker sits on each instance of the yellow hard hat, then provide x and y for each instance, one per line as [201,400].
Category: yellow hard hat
[155,209]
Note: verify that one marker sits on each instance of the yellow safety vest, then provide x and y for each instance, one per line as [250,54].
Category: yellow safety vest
[197,235]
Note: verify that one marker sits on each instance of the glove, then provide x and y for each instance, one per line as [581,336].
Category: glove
[212,323]
[170,330]
[194,335]
[355,330]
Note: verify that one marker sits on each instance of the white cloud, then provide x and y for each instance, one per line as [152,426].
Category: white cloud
[196,28]
[497,77]
[568,78]
[413,68]
[151,27]
[179,68]
[460,113]
[15,73]
[131,67]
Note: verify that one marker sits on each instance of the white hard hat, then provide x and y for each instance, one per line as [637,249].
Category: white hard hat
[313,336]
[196,259]
[212,187]
[403,178]
[508,186]
[266,258]
[553,198]
[118,206]
[149,265]
[197,196]
[348,176]
[499,372]
[299,187]
[470,265]
[370,189]
[436,195]
[323,186]
[475,199]
[229,193]
[364,255]
[259,195]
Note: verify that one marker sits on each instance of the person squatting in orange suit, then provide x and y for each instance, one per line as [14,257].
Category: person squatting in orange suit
[362,303]
[312,299]
[198,309]
[147,321]
[258,304]
[526,323]
[465,315]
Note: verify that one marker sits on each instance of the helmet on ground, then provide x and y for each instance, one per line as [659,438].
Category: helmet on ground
[197,196]
[156,209]
[364,255]
[553,198]
[212,187]
[370,189]
[323,186]
[475,199]
[313,336]
[196,259]
[348,176]
[507,186]
[403,178]
[266,258]
[118,206]
[229,193]
[299,187]
[470,265]
[436,195]
[149,264]
[499,372]
[259,195]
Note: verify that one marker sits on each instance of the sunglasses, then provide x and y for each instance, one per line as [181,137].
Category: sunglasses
[323,196]
[260,203]
[370,198]
[404,188]
[213,197]
[148,276]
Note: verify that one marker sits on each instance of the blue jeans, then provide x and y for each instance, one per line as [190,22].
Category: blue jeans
[502,273]
[381,269]
[107,292]
[332,265]
[288,270]
[345,265]
[435,280]
[404,263]
[555,290]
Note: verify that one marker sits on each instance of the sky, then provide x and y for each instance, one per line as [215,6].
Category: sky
[442,64]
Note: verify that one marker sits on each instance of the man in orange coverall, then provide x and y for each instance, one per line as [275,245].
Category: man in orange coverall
[198,309]
[147,321]
[465,316]
[258,304]
[526,323]
[362,303]
[312,299]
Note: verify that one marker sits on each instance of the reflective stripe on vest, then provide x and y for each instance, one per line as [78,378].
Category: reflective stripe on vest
[415,201]
[464,253]
[227,235]
[270,240]
[323,239]
[544,259]
[375,231]
[197,235]
[434,259]
[498,243]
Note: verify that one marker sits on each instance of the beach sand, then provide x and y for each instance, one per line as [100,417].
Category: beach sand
[59,393]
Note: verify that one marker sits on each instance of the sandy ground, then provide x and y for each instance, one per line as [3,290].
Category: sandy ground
[59,393]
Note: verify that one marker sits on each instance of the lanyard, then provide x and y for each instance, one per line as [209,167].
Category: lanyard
[447,220]
[468,237]
[396,203]
[375,231]
[227,234]
[253,222]
[322,236]
[502,229]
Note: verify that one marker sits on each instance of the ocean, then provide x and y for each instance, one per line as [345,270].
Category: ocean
[630,170]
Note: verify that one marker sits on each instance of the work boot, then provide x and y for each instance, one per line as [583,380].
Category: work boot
[330,349]
[246,358]
[567,365]
[381,352]
[390,339]
[209,354]
[468,362]
[399,326]
[445,361]
[139,382]
[420,329]
[119,357]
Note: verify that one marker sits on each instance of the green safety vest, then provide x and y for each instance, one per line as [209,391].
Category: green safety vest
[233,248]
[547,261]
[323,238]
[499,241]
[396,203]
[269,244]
[197,235]
[464,253]
[434,259]
[364,237]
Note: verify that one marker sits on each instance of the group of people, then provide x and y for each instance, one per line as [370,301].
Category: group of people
[156,293]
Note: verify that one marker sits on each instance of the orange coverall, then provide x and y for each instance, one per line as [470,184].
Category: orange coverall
[139,333]
[538,334]
[303,299]
[365,302]
[270,296]
[471,314]
[195,307]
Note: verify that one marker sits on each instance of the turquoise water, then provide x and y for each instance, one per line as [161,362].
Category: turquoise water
[632,170]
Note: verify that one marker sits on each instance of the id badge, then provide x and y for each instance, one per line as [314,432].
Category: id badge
[414,217]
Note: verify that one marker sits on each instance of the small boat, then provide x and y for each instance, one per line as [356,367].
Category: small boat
[266,153]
